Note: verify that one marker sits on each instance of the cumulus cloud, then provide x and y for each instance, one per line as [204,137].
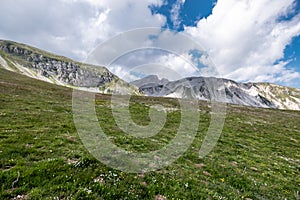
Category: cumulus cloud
[246,39]
[73,27]
[182,64]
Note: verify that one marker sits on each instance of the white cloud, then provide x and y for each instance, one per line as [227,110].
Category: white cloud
[182,64]
[123,73]
[245,38]
[158,62]
[73,27]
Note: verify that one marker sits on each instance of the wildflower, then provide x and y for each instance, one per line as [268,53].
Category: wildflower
[88,190]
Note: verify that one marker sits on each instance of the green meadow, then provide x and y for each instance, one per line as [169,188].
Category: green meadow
[42,156]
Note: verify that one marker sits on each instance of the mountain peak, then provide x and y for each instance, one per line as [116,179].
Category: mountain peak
[150,80]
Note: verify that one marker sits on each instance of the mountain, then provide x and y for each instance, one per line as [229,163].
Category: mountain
[59,70]
[264,95]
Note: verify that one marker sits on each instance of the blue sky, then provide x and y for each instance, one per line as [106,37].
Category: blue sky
[256,41]
[190,12]
[292,52]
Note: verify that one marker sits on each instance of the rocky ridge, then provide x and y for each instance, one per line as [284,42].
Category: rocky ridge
[223,90]
[59,70]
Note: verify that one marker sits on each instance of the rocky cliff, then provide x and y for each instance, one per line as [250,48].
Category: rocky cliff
[59,70]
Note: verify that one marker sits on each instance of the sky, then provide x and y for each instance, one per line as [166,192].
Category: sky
[246,40]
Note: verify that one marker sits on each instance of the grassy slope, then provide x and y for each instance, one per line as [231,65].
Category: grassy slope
[256,157]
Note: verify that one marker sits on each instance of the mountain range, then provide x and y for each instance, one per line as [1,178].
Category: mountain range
[60,70]
[264,95]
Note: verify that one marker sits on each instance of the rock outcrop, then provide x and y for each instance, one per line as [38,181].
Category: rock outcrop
[56,69]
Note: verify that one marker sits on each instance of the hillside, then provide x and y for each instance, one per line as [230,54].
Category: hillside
[42,157]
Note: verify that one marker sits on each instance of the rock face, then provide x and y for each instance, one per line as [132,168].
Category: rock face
[56,69]
[223,90]
[67,72]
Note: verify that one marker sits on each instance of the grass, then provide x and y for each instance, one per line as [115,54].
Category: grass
[42,156]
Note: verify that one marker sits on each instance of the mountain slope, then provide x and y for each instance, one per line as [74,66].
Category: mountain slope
[59,70]
[250,94]
[282,97]
[42,156]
